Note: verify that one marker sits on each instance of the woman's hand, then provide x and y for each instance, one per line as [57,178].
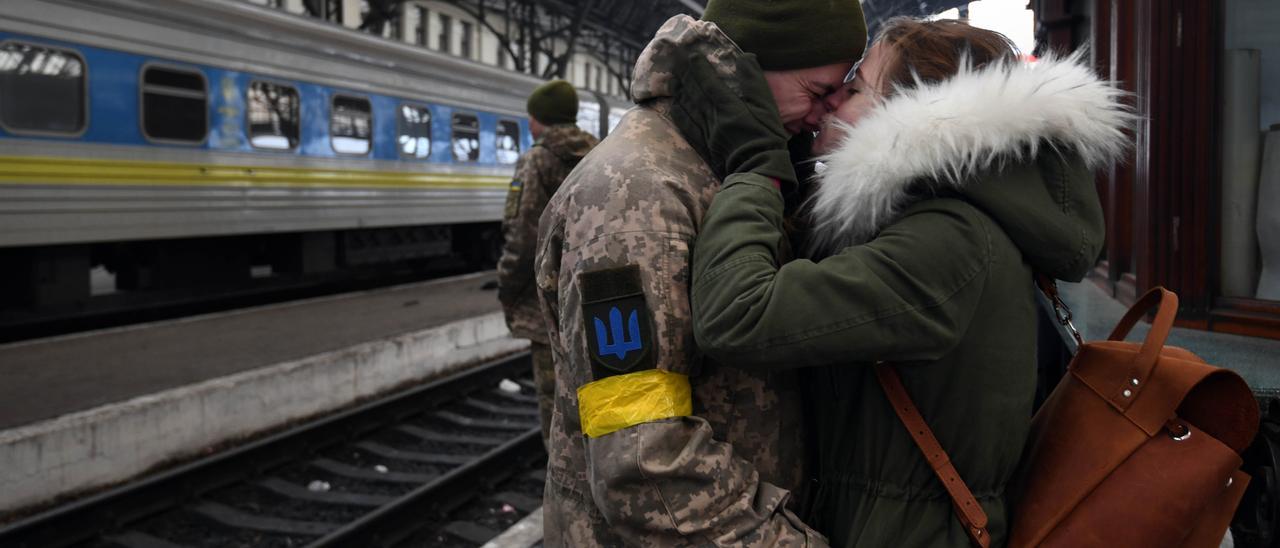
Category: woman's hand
[736,117]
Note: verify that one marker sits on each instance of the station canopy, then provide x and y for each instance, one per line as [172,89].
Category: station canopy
[635,22]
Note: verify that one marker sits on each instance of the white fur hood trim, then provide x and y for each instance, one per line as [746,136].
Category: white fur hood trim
[946,131]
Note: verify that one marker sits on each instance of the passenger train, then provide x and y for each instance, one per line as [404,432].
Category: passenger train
[183,141]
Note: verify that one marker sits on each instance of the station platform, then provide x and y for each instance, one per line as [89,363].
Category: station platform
[1255,359]
[83,411]
[88,410]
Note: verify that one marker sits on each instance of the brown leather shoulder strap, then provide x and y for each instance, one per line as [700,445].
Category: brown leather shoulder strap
[967,508]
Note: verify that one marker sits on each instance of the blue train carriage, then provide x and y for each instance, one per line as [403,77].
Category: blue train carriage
[190,141]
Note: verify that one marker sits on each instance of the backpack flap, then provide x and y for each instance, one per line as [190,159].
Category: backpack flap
[1152,383]
[1216,400]
[1223,406]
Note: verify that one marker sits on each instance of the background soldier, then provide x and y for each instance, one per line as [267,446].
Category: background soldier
[558,146]
[651,444]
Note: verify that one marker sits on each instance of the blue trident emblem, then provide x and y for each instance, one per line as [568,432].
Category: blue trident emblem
[621,346]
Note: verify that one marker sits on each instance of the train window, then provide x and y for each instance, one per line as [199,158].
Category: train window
[589,117]
[466,138]
[42,89]
[508,142]
[414,131]
[351,125]
[273,116]
[174,105]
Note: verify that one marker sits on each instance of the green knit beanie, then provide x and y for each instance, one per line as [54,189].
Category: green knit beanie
[555,102]
[793,34]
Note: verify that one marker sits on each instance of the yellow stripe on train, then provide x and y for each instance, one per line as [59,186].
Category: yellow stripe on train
[86,171]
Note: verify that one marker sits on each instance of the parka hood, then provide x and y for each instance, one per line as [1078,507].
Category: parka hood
[568,142]
[654,74]
[983,134]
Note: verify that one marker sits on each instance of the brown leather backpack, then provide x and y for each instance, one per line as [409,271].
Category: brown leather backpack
[1139,445]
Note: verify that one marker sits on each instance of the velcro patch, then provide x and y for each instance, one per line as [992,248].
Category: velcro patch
[616,321]
[513,200]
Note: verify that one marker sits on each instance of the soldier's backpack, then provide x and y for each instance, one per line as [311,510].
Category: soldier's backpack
[1138,446]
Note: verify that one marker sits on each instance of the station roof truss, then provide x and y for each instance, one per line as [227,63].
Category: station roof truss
[542,36]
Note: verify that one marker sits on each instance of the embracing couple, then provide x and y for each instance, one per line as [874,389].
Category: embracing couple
[715,318]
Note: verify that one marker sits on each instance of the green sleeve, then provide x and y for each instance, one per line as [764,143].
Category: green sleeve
[907,295]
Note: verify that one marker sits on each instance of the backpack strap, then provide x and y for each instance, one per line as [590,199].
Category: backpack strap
[1166,304]
[967,509]
[1049,287]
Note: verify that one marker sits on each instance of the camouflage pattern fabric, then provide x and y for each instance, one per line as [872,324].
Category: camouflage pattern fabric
[720,477]
[538,174]
[544,378]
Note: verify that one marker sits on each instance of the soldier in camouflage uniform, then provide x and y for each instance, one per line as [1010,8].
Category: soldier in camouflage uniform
[650,443]
[558,146]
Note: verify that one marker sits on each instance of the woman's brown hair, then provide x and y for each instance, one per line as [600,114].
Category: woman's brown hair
[932,51]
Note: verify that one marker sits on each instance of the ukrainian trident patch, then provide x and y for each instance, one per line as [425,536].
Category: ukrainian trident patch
[616,321]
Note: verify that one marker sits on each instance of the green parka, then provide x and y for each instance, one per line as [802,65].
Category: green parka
[939,205]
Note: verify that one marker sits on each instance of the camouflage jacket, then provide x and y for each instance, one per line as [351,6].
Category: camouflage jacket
[538,174]
[617,237]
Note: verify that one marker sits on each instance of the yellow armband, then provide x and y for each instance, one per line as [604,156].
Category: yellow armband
[621,401]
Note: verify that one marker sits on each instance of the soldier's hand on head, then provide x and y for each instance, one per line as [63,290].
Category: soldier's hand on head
[736,117]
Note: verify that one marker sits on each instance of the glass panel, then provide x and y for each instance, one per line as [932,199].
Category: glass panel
[333,10]
[445,38]
[415,131]
[589,117]
[508,142]
[466,40]
[174,105]
[273,116]
[420,27]
[466,138]
[41,89]
[1250,106]
[351,125]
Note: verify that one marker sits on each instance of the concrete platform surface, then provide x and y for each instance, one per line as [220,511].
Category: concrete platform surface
[48,378]
[170,391]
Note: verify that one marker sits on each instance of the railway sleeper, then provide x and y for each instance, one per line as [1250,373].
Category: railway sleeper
[295,491]
[414,456]
[352,472]
[498,409]
[488,424]
[231,517]
[138,539]
[439,437]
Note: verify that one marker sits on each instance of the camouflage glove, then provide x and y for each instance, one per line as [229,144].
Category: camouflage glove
[741,128]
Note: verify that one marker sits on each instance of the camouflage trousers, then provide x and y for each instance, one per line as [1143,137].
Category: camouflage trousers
[544,377]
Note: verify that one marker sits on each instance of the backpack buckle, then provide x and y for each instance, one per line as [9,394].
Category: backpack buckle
[1049,287]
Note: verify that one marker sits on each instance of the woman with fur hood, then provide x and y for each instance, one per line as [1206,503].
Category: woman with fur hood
[955,174]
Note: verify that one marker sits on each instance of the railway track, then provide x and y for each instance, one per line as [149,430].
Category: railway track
[451,463]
